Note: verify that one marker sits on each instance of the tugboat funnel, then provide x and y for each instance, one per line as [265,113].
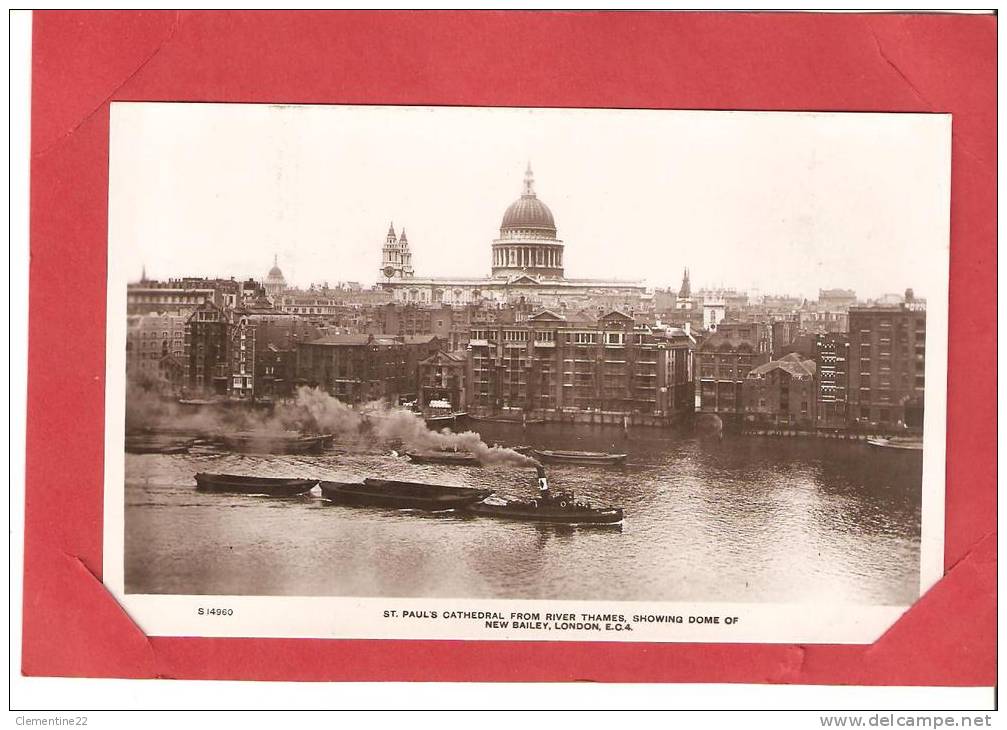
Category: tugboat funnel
[543,483]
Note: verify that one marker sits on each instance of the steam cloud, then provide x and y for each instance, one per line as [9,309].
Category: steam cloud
[313,410]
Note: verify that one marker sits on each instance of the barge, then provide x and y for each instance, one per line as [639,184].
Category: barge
[578,457]
[269,442]
[402,495]
[275,486]
[453,458]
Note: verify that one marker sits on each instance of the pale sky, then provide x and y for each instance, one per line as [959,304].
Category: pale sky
[781,202]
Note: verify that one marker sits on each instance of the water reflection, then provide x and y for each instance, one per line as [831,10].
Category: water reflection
[738,519]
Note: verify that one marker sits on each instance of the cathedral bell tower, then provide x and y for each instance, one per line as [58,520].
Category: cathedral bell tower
[396,258]
[684,300]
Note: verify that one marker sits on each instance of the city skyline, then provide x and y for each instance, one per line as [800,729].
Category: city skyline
[273,181]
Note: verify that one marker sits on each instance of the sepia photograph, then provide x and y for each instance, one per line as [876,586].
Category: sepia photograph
[617,367]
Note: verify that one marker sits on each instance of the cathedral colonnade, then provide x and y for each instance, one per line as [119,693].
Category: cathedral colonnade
[524,256]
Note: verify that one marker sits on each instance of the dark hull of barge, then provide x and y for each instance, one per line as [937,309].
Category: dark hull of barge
[253,485]
[578,457]
[140,445]
[442,457]
[266,444]
[401,495]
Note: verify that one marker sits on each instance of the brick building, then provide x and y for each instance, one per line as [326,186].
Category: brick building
[832,360]
[723,361]
[549,365]
[823,321]
[443,376]
[263,353]
[362,368]
[837,300]
[783,332]
[206,356]
[451,324]
[184,295]
[155,349]
[781,392]
[887,364]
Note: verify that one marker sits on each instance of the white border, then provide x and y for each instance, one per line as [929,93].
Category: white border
[345,617]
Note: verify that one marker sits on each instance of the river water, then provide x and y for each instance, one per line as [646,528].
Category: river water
[743,519]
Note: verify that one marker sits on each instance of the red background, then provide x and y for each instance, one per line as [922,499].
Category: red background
[84,60]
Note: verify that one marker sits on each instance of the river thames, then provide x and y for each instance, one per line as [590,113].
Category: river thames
[743,519]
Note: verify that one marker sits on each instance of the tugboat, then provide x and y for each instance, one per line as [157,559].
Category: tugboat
[439,414]
[561,507]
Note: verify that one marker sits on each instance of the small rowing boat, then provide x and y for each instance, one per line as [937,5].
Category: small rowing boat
[276,486]
[402,495]
[578,457]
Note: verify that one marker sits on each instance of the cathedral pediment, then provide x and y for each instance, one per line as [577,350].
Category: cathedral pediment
[615,316]
[523,280]
[546,316]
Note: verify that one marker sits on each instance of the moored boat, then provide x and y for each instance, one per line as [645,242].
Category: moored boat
[269,442]
[456,458]
[896,442]
[277,486]
[151,444]
[578,457]
[441,420]
[401,494]
[523,421]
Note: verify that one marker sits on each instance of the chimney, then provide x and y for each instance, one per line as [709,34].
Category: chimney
[543,483]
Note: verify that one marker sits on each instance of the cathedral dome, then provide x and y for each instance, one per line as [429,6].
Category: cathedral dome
[275,276]
[528,245]
[528,211]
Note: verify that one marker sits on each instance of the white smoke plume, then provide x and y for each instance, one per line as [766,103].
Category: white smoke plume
[314,410]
